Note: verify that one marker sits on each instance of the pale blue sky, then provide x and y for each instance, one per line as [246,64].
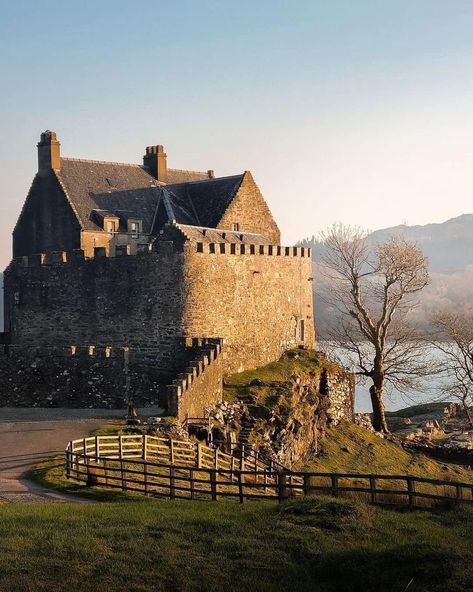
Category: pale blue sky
[360,111]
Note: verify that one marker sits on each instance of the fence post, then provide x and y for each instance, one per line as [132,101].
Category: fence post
[120,446]
[172,491]
[242,458]
[86,459]
[308,484]
[459,492]
[97,446]
[145,476]
[213,484]
[241,486]
[145,447]
[334,485]
[232,467]
[411,488]
[122,474]
[105,473]
[373,495]
[199,455]
[68,460]
[191,482]
[216,458]
[282,487]
[171,451]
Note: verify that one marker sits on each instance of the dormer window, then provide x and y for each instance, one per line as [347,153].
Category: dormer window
[107,220]
[134,228]
[235,226]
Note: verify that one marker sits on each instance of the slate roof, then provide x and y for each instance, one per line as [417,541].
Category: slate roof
[200,234]
[201,203]
[96,185]
[180,176]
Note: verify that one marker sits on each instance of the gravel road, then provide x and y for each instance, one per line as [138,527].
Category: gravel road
[29,436]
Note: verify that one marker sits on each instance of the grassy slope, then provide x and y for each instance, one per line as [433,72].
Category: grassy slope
[349,448]
[239,385]
[313,544]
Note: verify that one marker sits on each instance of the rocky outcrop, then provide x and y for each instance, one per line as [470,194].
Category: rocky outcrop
[286,419]
[436,427]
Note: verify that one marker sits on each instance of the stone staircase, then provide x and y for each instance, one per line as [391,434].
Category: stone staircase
[248,423]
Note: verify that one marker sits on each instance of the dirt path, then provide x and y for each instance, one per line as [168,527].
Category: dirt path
[29,436]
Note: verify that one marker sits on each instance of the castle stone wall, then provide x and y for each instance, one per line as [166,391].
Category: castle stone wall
[53,377]
[252,296]
[250,211]
[128,301]
[156,303]
[47,221]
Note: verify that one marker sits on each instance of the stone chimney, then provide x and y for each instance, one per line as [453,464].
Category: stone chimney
[49,152]
[155,161]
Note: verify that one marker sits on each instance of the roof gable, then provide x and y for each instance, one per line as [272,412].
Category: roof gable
[202,203]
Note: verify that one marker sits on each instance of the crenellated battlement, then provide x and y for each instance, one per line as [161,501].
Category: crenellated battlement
[201,379]
[77,256]
[252,249]
[80,351]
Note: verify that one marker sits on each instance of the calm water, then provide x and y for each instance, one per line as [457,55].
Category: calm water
[394,399]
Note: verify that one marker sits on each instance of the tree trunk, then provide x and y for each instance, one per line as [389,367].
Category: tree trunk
[467,411]
[379,412]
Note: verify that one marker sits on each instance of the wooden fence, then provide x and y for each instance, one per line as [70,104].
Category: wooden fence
[166,467]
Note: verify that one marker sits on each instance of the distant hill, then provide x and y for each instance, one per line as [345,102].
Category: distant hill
[448,245]
[449,249]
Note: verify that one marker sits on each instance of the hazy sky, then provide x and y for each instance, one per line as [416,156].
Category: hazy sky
[360,111]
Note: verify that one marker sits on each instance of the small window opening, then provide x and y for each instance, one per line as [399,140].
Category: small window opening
[236,226]
[112,227]
[301,330]
[134,229]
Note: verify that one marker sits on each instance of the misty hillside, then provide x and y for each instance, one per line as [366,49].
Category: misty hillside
[449,248]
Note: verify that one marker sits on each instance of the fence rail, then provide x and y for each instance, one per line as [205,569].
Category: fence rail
[166,467]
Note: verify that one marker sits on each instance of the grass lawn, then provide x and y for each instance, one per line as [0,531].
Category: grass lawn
[349,448]
[309,544]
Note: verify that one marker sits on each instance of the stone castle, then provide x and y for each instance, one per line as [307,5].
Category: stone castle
[147,280]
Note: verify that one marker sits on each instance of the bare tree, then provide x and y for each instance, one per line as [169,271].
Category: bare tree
[453,337]
[371,290]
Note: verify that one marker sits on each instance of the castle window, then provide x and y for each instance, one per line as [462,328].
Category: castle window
[235,226]
[16,298]
[301,330]
[134,228]
[112,227]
